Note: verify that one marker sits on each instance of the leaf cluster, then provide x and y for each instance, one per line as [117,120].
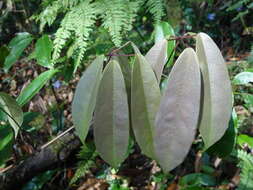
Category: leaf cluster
[164,124]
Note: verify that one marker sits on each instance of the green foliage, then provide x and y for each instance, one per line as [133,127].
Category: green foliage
[87,157]
[197,180]
[6,143]
[156,7]
[243,78]
[246,175]
[238,5]
[228,140]
[165,30]
[83,16]
[17,46]
[13,111]
[43,50]
[245,140]
[33,88]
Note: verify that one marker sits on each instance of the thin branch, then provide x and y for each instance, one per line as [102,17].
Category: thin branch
[56,138]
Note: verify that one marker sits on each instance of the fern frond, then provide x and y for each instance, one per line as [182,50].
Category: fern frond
[156,8]
[131,8]
[246,175]
[87,157]
[76,24]
[115,17]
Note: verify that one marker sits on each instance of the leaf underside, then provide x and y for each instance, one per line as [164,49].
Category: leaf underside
[145,100]
[177,118]
[85,97]
[111,118]
[217,93]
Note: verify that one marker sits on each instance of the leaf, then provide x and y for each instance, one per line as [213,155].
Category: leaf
[197,179]
[3,54]
[126,70]
[165,30]
[145,99]
[13,110]
[111,118]
[217,93]
[225,145]
[34,87]
[85,97]
[17,45]
[6,142]
[43,50]
[243,78]
[245,139]
[157,57]
[177,118]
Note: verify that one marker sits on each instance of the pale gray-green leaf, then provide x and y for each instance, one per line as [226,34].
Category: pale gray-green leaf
[111,118]
[217,97]
[177,119]
[85,97]
[15,113]
[243,78]
[145,99]
[157,57]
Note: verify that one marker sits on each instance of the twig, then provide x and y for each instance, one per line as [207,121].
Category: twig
[115,50]
[6,169]
[181,37]
[56,138]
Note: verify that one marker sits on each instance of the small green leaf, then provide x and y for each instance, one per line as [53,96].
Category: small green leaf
[85,97]
[243,78]
[15,113]
[245,139]
[3,54]
[165,30]
[111,118]
[177,119]
[225,145]
[197,179]
[43,50]
[157,57]
[145,100]
[17,46]
[6,142]
[217,93]
[248,99]
[34,87]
